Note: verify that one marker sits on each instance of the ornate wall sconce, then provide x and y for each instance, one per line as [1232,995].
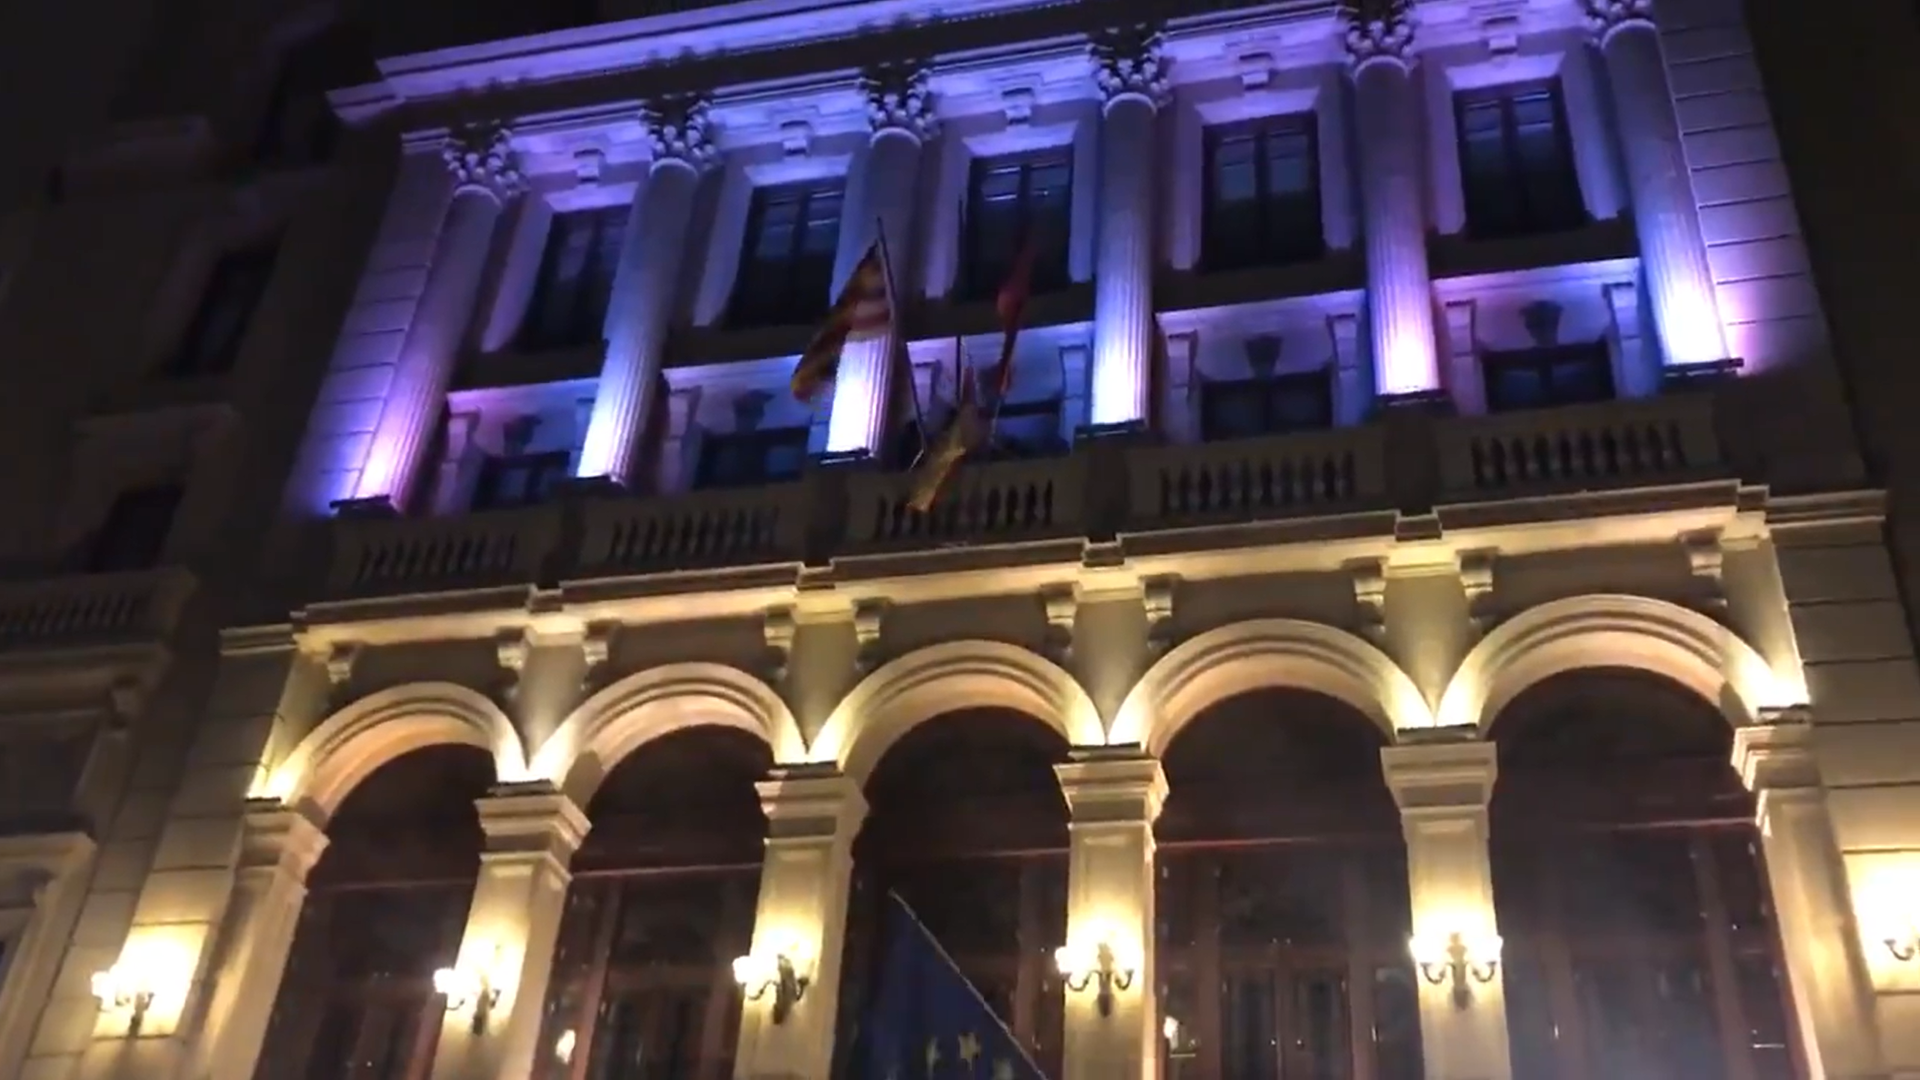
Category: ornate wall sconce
[1098,967]
[786,975]
[1458,960]
[126,988]
[1903,944]
[469,986]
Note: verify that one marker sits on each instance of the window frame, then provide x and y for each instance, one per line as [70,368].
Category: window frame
[249,268]
[1544,360]
[1514,174]
[99,553]
[1052,265]
[1260,130]
[765,439]
[585,323]
[496,467]
[798,304]
[1319,382]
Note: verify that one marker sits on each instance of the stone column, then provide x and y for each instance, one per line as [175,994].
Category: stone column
[652,256]
[278,847]
[813,815]
[532,832]
[1673,256]
[1833,1000]
[1392,198]
[1113,798]
[1131,72]
[485,177]
[900,108]
[1442,787]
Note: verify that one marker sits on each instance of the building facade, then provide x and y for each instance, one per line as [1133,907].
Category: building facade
[1422,613]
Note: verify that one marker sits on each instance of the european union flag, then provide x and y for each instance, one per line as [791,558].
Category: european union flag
[926,1021]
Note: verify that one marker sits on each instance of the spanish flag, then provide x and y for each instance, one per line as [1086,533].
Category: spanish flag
[963,433]
[862,311]
[1011,307]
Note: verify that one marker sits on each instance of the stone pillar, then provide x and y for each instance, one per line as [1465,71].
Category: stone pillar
[1833,1001]
[1113,798]
[1131,72]
[1392,198]
[813,815]
[278,847]
[1442,788]
[1673,256]
[652,255]
[901,110]
[679,446]
[532,832]
[485,176]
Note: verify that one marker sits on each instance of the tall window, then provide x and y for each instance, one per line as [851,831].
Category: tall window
[569,305]
[1545,377]
[227,303]
[748,458]
[134,534]
[1516,161]
[1012,201]
[298,126]
[1243,408]
[786,266]
[519,479]
[1263,193]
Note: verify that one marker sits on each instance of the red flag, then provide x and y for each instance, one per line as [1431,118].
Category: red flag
[1011,306]
[862,310]
[963,433]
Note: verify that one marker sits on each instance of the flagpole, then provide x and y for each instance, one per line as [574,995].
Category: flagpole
[893,318]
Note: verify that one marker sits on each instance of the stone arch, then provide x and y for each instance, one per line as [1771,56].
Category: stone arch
[349,745]
[647,705]
[937,679]
[1261,653]
[1613,630]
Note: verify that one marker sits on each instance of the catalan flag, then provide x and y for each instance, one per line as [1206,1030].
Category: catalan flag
[861,312]
[1011,307]
[962,434]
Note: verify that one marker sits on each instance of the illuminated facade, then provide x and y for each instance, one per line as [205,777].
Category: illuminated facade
[1422,616]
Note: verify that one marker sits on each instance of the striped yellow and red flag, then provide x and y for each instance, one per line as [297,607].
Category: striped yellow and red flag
[861,312]
[964,432]
[1011,307]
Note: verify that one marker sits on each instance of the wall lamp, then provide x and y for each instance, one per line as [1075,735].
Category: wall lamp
[1098,967]
[1459,961]
[1904,944]
[468,986]
[125,989]
[785,974]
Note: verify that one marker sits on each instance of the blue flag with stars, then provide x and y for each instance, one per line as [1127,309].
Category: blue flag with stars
[926,1021]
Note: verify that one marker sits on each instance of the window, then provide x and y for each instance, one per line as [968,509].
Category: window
[1028,429]
[569,305]
[1243,408]
[1011,200]
[40,771]
[519,480]
[134,534]
[298,126]
[232,294]
[1545,377]
[746,458]
[1516,162]
[786,267]
[1263,194]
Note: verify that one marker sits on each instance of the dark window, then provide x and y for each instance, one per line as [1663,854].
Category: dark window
[1028,429]
[519,480]
[1542,378]
[135,531]
[569,305]
[786,265]
[1242,408]
[746,458]
[232,294]
[1516,162]
[1263,194]
[1011,201]
[299,126]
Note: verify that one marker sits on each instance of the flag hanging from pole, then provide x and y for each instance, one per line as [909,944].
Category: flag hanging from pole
[1011,307]
[962,434]
[861,312]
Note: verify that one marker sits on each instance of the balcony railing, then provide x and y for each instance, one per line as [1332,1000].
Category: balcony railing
[1104,488]
[85,610]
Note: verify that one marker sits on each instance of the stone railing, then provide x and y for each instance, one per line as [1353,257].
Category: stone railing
[1119,485]
[83,610]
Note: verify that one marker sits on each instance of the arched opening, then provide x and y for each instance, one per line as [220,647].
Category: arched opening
[967,824]
[1282,898]
[386,907]
[1630,888]
[662,900]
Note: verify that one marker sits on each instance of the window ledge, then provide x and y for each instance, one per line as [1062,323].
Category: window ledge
[1461,255]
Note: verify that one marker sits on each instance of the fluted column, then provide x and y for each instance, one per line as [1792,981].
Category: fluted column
[1392,197]
[507,949]
[900,108]
[813,816]
[640,312]
[485,177]
[1113,798]
[1131,73]
[1833,999]
[1442,788]
[1666,217]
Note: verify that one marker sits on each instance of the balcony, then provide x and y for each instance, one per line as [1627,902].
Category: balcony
[93,611]
[1107,488]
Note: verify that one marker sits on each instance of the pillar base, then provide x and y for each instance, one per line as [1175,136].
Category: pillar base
[593,487]
[371,506]
[858,458]
[1429,402]
[1132,430]
[1683,377]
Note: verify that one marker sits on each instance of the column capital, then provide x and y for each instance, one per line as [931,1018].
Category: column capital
[481,158]
[1117,785]
[811,801]
[274,835]
[680,132]
[900,99]
[1129,62]
[1606,17]
[1447,770]
[531,820]
[1776,754]
[1378,30]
